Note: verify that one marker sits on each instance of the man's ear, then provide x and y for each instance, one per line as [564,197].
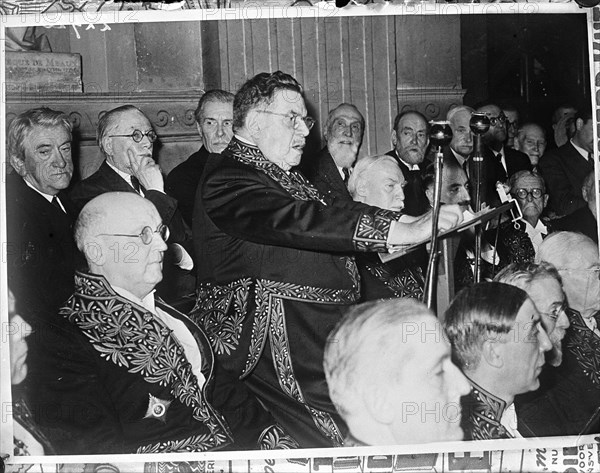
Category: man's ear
[361,187]
[95,252]
[378,404]
[394,138]
[107,145]
[18,165]
[199,130]
[579,123]
[546,197]
[492,353]
[252,122]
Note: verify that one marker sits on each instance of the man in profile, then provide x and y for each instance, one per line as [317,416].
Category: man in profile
[390,375]
[410,138]
[499,344]
[276,273]
[124,372]
[214,119]
[565,168]
[378,181]
[41,253]
[330,170]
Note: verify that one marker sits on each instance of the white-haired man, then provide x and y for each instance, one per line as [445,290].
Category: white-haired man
[575,395]
[124,372]
[330,170]
[390,375]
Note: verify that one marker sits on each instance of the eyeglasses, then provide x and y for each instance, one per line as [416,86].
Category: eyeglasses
[146,235]
[294,119]
[556,311]
[499,119]
[138,135]
[523,193]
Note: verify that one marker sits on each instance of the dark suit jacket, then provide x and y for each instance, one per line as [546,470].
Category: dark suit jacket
[182,182]
[41,252]
[117,381]
[582,221]
[415,199]
[275,278]
[323,173]
[107,180]
[564,170]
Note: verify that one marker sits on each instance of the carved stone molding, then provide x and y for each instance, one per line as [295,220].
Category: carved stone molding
[171,114]
[434,103]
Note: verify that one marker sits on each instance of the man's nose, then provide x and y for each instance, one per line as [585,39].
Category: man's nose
[58,160]
[544,340]
[220,129]
[302,128]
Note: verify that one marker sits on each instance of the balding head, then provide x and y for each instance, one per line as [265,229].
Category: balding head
[109,232]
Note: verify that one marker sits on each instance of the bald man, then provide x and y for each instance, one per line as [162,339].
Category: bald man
[125,372]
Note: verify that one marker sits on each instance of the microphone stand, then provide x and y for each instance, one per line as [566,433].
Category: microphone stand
[440,135]
[479,124]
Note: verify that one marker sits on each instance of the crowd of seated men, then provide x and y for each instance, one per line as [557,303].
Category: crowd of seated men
[299,335]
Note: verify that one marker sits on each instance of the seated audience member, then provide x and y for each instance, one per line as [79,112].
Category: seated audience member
[389,372]
[124,371]
[575,396]
[518,242]
[564,169]
[410,138]
[583,220]
[28,439]
[499,343]
[378,181]
[214,119]
[543,284]
[507,161]
[126,139]
[531,140]
[329,170]
[41,254]
[563,124]
[270,243]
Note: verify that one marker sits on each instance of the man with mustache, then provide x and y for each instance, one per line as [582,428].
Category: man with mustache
[41,253]
[214,119]
[410,138]
[330,170]
[498,342]
[276,272]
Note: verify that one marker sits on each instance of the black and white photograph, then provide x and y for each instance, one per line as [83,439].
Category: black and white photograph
[286,232]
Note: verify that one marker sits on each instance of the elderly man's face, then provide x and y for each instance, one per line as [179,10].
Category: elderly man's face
[531,207]
[138,267]
[550,301]
[496,135]
[410,139]
[383,186]
[522,351]
[344,135]
[429,389]
[18,329]
[279,130]
[462,136]
[124,148]
[47,165]
[580,275]
[215,125]
[532,142]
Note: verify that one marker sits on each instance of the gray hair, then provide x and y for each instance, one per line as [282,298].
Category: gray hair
[523,275]
[557,248]
[363,166]
[459,108]
[210,96]
[369,331]
[512,181]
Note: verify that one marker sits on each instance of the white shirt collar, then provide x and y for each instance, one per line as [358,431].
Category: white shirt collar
[126,177]
[509,420]
[147,301]
[581,151]
[48,197]
[411,167]
[244,140]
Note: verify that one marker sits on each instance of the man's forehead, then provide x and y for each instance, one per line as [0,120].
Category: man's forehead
[48,133]
[131,119]
[528,182]
[462,118]
[215,107]
[533,131]
[349,113]
[412,120]
[490,110]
